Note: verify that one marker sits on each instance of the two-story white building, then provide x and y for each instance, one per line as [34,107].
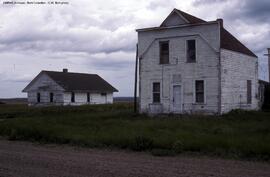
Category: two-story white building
[188,65]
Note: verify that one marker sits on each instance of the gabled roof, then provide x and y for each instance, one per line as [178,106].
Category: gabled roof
[227,40]
[78,81]
[192,19]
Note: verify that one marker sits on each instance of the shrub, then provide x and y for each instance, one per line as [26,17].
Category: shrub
[178,146]
[142,143]
[13,135]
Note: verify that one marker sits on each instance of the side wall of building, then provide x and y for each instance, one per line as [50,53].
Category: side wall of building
[81,98]
[179,71]
[236,69]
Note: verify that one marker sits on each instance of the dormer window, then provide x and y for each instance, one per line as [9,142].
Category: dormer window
[191,51]
[164,52]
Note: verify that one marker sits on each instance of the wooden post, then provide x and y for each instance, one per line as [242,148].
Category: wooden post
[268,54]
[136,77]
[268,64]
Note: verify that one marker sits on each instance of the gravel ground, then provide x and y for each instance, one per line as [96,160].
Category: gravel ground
[23,159]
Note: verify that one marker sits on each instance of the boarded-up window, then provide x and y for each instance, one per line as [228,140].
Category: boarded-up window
[199,89]
[249,92]
[191,51]
[164,52]
[38,97]
[72,97]
[88,97]
[156,92]
[51,97]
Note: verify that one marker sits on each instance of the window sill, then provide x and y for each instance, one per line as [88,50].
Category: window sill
[164,64]
[155,103]
[200,104]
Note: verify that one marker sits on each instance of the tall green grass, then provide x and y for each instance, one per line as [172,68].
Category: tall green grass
[238,134]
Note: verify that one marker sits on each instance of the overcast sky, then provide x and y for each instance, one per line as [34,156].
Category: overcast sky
[99,36]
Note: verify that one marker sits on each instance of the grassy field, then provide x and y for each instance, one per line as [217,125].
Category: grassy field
[242,135]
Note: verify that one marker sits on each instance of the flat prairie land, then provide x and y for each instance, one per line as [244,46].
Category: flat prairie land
[237,135]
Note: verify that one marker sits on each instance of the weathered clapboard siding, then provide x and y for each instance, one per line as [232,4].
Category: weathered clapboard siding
[206,67]
[224,72]
[236,69]
[81,98]
[45,85]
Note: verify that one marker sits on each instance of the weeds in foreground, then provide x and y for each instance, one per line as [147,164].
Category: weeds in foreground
[239,134]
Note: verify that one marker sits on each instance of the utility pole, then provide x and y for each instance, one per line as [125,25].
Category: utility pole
[268,63]
[136,77]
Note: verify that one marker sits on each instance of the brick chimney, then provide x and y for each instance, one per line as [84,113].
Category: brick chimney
[65,70]
[220,21]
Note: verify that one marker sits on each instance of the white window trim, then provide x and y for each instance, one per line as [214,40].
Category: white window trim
[186,46]
[163,41]
[151,91]
[194,91]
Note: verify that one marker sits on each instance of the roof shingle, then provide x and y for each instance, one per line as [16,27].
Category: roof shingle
[80,82]
[76,82]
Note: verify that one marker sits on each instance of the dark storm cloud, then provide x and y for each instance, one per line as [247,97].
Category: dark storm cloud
[258,11]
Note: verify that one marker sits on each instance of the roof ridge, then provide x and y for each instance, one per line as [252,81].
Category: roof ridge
[68,72]
[189,17]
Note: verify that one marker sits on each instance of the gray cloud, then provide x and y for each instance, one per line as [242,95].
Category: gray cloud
[249,10]
[205,2]
[99,36]
[256,12]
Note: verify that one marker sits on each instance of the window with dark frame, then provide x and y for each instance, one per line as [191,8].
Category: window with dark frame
[38,97]
[164,52]
[199,89]
[103,94]
[72,97]
[88,97]
[191,51]
[249,92]
[51,97]
[156,92]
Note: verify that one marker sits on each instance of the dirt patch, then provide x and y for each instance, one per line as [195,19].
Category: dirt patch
[19,159]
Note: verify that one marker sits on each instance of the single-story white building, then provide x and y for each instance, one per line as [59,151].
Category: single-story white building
[65,88]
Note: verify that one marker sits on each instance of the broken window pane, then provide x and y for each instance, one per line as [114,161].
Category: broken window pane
[164,52]
[191,51]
